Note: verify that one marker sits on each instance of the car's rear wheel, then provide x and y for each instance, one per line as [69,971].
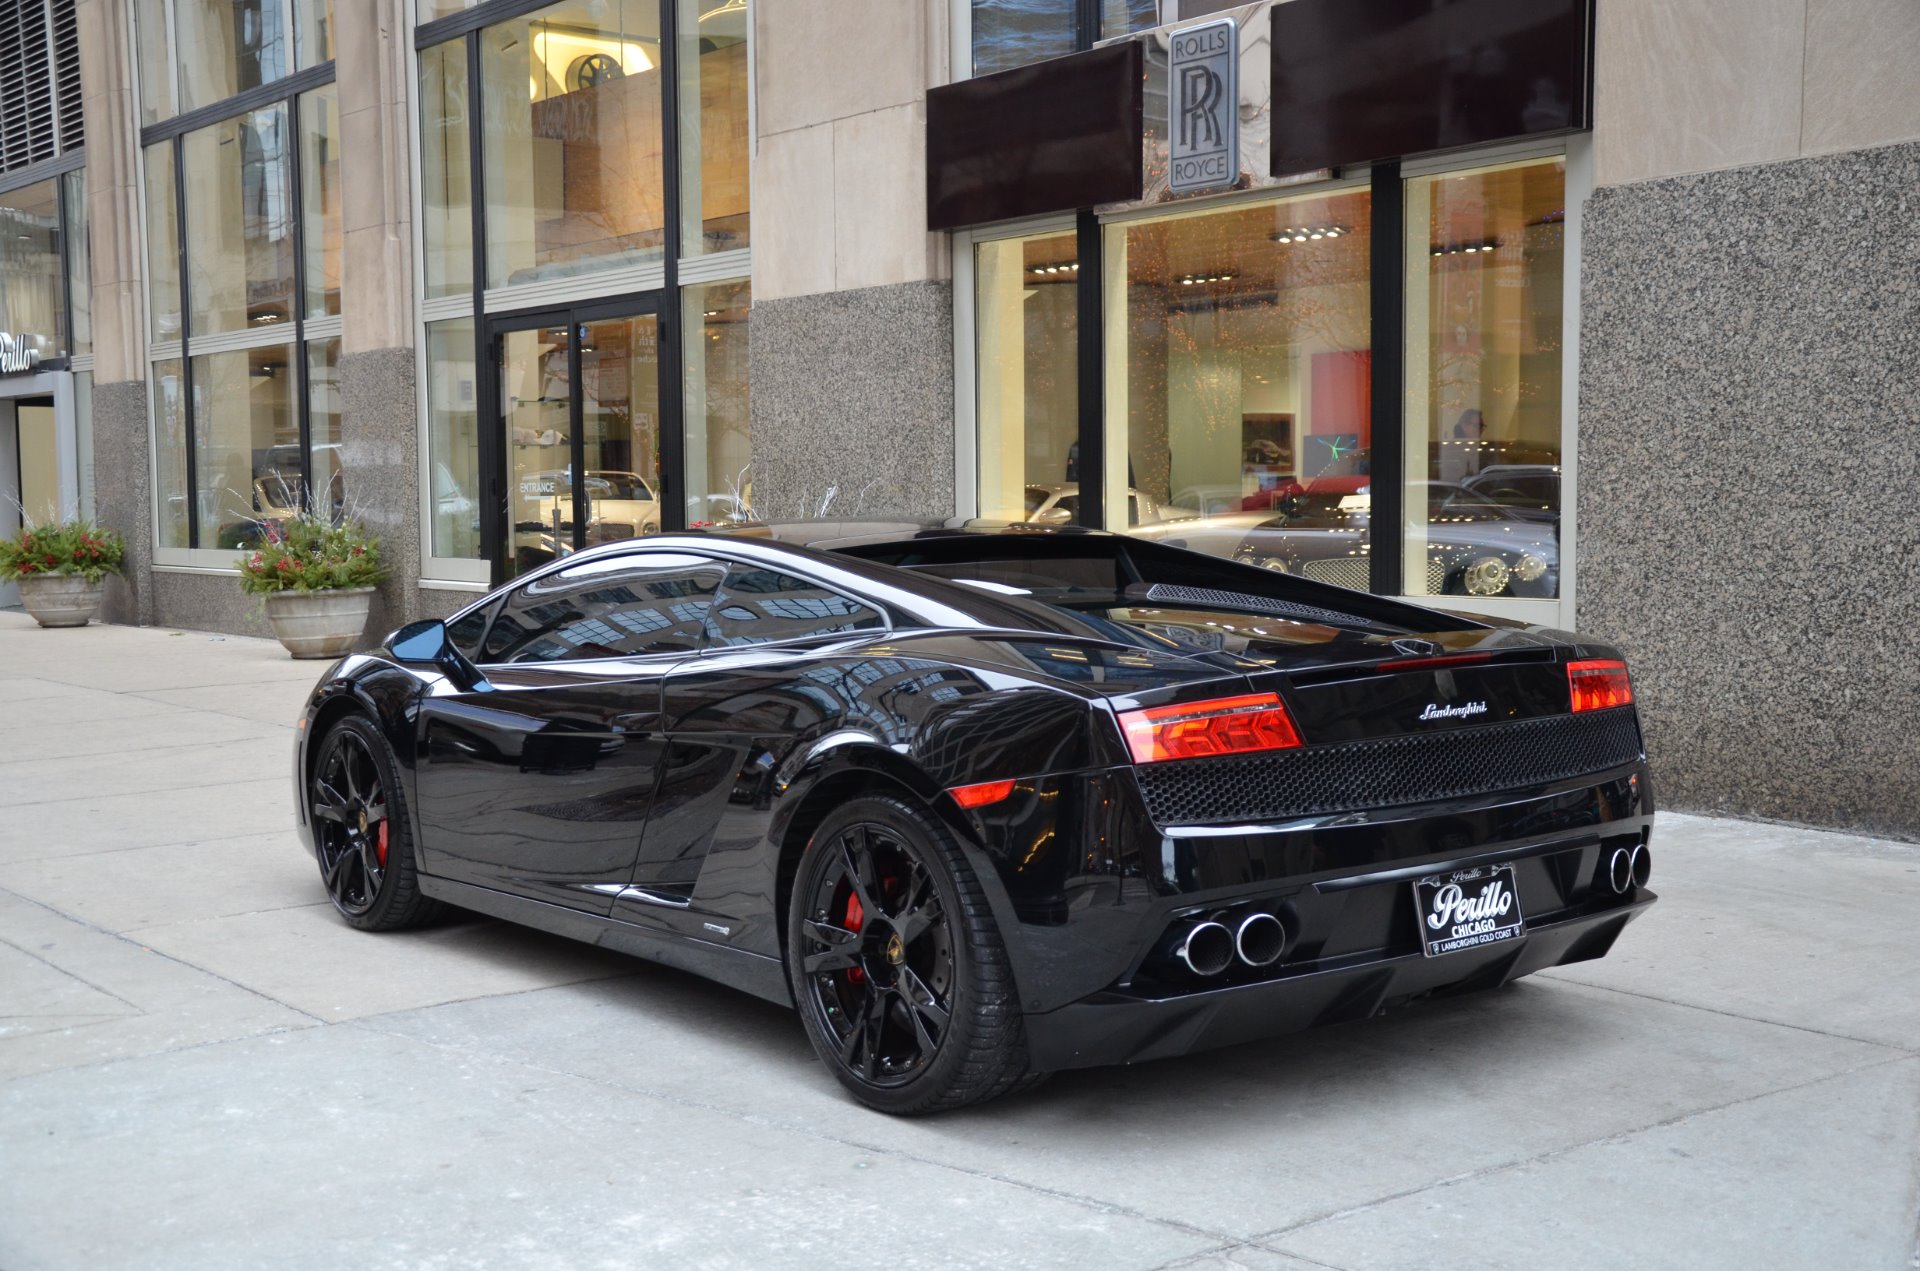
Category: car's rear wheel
[897,965]
[360,832]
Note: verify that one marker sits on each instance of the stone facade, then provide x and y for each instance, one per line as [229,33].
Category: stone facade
[1749,464]
[853,402]
[123,495]
[380,464]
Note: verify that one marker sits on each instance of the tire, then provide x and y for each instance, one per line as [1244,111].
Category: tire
[897,966]
[361,833]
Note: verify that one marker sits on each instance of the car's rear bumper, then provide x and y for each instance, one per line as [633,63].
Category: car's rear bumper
[1115,1027]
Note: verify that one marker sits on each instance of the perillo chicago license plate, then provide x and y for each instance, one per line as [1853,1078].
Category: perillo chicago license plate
[1467,909]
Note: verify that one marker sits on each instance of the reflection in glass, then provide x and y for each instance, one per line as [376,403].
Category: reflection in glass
[446,184]
[154,51]
[620,427]
[320,198]
[239,223]
[313,32]
[1123,17]
[163,243]
[323,425]
[453,439]
[1027,324]
[1010,33]
[227,46]
[573,170]
[246,446]
[536,395]
[32,289]
[1242,372]
[1485,294]
[713,73]
[168,388]
[79,265]
[719,450]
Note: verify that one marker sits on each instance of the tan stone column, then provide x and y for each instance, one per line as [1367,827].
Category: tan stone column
[379,423]
[122,452]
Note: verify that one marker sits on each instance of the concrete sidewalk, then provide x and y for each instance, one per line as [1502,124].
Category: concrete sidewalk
[201,1067]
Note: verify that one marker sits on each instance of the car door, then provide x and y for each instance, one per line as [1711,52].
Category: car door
[760,688]
[538,782]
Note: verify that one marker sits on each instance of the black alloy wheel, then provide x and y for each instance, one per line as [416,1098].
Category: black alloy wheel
[360,831]
[897,966]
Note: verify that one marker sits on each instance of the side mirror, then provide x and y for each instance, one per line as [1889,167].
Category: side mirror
[427,641]
[1055,515]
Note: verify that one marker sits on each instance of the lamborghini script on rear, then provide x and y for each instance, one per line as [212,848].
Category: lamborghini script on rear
[983,806]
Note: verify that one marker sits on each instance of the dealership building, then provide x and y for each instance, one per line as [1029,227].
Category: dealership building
[1637,273]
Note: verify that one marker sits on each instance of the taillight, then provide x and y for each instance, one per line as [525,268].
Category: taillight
[979,796]
[1196,730]
[1594,686]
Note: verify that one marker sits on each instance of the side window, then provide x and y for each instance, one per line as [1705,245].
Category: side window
[759,606]
[623,606]
[466,630]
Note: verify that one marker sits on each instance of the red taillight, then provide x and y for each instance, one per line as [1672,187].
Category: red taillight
[1195,730]
[981,795]
[1594,686]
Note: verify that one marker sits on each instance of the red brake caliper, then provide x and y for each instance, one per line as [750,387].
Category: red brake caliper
[856,918]
[380,845]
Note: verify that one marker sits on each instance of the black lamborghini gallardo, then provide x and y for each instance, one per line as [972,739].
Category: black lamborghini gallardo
[988,805]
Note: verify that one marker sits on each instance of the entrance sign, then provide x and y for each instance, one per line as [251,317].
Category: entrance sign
[18,353]
[1203,107]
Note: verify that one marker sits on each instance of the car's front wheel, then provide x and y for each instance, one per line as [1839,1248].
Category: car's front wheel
[897,965]
[360,833]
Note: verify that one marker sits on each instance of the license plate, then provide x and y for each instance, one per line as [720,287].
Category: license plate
[1467,909]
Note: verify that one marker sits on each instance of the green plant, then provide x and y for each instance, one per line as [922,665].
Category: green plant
[311,553]
[71,547]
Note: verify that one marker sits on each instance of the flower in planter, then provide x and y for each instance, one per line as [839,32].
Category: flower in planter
[77,548]
[309,552]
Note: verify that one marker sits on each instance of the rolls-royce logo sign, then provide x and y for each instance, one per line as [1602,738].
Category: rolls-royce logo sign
[1203,107]
[18,353]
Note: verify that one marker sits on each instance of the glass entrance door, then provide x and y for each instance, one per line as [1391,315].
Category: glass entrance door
[579,401]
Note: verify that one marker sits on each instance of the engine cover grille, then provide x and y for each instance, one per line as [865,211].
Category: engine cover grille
[1389,771]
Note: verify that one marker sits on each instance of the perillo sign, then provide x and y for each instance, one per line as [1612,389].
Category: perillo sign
[18,353]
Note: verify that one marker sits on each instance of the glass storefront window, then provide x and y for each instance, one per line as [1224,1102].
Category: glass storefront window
[1010,33]
[228,46]
[714,147]
[320,199]
[32,285]
[79,264]
[572,135]
[719,449]
[313,32]
[163,243]
[1485,258]
[246,445]
[240,224]
[1239,394]
[453,440]
[154,50]
[446,182]
[169,390]
[1027,328]
[323,426]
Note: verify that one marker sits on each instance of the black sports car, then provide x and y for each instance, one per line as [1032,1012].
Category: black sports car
[987,805]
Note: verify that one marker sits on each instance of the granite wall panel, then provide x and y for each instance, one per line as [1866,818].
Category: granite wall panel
[853,402]
[123,494]
[380,455]
[1749,477]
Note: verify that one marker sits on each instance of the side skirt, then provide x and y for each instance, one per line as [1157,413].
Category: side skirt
[753,973]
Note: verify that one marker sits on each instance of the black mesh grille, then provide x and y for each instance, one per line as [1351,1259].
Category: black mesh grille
[1390,771]
[1241,600]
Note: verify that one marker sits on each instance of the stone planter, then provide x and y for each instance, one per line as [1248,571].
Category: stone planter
[60,600]
[319,624]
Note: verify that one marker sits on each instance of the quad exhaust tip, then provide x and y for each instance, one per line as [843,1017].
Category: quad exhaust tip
[1206,949]
[1629,868]
[1260,939]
